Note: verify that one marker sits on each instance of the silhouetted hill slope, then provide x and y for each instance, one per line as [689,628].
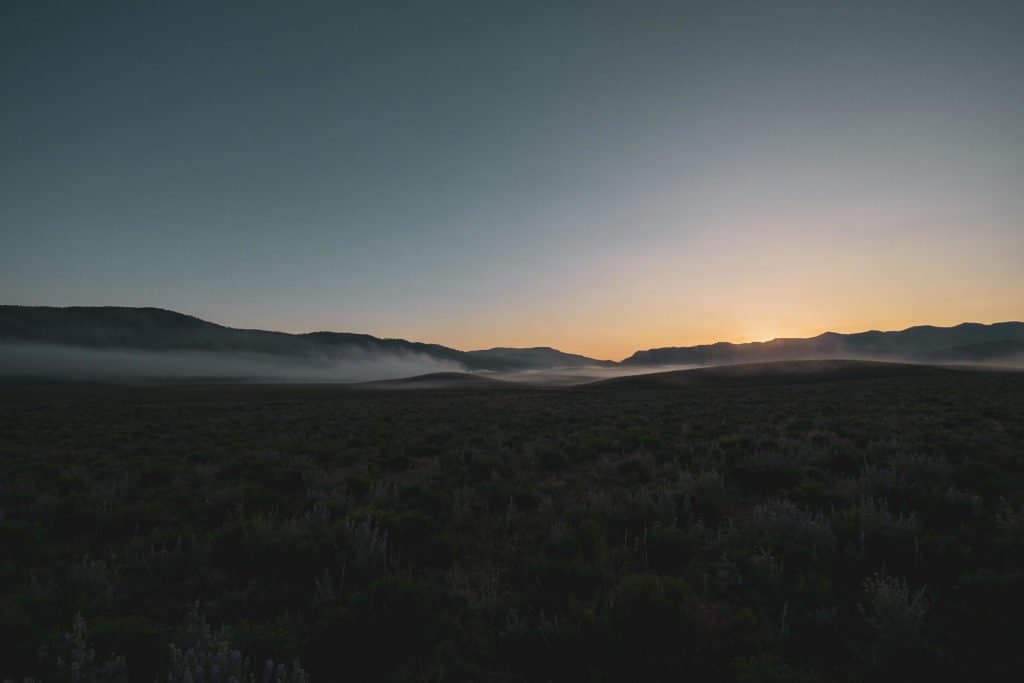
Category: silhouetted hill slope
[532,358]
[151,329]
[775,372]
[992,351]
[922,343]
[154,329]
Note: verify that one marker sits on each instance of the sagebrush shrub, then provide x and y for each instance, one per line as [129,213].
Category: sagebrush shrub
[893,609]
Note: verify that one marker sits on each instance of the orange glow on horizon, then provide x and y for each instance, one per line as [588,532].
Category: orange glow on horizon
[623,343]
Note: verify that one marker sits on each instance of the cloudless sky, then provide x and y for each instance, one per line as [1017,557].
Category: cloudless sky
[601,177]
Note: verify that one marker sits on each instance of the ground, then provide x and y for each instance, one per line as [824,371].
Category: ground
[839,527]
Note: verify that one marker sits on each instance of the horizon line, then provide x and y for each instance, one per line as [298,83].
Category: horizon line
[518,348]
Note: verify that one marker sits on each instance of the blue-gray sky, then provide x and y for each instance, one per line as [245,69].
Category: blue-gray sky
[596,176]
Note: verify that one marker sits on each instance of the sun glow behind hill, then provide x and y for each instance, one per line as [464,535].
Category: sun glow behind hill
[630,176]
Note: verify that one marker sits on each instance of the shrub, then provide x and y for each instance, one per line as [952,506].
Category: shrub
[796,533]
[210,657]
[365,545]
[1010,528]
[895,611]
[768,668]
[76,659]
[651,621]
[668,548]
[768,471]
[869,530]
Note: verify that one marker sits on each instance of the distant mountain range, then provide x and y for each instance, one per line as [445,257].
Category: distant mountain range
[153,330]
[967,342]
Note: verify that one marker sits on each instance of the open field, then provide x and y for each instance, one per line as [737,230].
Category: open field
[794,523]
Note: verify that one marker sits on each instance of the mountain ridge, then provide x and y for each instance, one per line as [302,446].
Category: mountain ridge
[918,342]
[158,329]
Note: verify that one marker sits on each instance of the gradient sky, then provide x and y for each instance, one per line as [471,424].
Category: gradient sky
[600,177]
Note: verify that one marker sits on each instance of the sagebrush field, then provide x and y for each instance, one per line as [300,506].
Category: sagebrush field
[847,529]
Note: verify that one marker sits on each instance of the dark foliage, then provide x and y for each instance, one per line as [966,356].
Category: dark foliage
[840,530]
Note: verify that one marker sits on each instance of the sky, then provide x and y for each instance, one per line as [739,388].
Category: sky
[600,177]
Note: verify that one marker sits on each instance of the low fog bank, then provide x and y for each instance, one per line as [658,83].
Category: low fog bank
[42,361]
[1015,363]
[580,375]
[586,374]
[1005,363]
[71,363]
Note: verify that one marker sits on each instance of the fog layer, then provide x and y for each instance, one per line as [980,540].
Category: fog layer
[75,363]
[580,375]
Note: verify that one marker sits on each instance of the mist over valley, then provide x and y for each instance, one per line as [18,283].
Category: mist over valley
[110,343]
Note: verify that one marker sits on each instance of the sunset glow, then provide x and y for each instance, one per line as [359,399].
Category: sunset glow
[677,174]
[616,341]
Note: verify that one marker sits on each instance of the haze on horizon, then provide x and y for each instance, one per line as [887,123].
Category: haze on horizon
[599,177]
